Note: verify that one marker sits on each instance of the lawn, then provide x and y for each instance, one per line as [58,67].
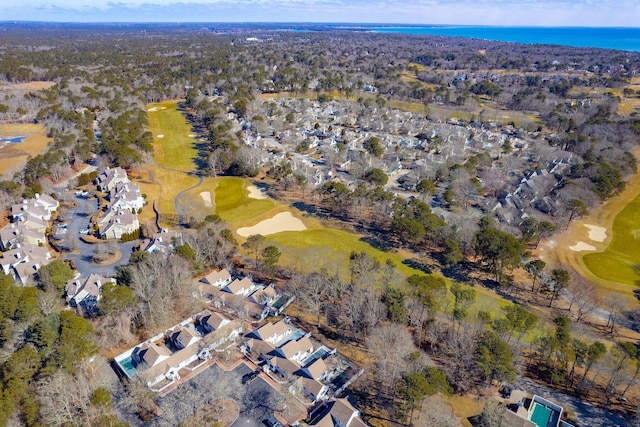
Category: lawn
[618,260]
[14,156]
[176,149]
[236,208]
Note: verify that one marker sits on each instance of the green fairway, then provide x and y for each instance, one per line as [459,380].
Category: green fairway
[176,149]
[235,207]
[617,262]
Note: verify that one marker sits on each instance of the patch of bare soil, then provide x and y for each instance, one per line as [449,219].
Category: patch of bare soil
[220,412]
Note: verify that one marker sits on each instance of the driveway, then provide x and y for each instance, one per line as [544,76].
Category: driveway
[80,217]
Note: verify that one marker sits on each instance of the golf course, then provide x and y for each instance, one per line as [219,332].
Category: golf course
[172,184]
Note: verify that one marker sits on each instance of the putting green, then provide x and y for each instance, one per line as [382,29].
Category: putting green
[235,207]
[620,261]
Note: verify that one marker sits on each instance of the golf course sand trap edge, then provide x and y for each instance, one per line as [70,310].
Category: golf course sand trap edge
[582,246]
[284,221]
[256,193]
[597,233]
[206,198]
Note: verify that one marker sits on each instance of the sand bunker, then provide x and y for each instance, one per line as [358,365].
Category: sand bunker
[582,246]
[283,221]
[156,108]
[597,233]
[256,193]
[206,198]
[160,136]
[191,135]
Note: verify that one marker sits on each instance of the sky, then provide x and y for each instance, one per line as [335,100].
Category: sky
[588,13]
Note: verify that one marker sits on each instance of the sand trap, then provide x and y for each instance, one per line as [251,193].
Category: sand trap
[283,221]
[597,233]
[191,135]
[160,136]
[582,246]
[206,198]
[256,193]
[152,109]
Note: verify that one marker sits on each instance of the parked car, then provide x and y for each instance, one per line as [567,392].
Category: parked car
[250,377]
[272,422]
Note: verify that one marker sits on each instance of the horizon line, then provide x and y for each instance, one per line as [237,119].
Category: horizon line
[365,24]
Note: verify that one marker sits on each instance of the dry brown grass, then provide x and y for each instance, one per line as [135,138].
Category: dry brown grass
[35,85]
[14,156]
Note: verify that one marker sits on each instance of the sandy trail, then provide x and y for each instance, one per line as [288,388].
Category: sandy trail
[284,221]
[206,198]
[582,246]
[256,193]
[597,233]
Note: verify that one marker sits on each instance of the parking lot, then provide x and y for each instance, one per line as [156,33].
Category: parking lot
[257,400]
[80,216]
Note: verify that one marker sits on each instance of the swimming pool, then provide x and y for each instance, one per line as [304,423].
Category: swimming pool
[318,354]
[540,415]
[127,366]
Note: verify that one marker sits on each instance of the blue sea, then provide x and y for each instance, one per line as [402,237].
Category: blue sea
[606,38]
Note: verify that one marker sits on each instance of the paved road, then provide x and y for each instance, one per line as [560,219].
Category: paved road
[80,217]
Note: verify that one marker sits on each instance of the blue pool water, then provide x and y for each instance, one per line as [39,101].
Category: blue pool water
[127,366]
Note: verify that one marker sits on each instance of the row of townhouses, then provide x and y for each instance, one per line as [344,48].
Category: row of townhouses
[22,240]
[125,200]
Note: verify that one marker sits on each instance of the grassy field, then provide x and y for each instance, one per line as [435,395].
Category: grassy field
[618,261]
[176,149]
[14,156]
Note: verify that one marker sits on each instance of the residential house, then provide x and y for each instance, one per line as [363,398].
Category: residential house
[211,321]
[16,233]
[41,206]
[314,389]
[241,305]
[34,223]
[296,350]
[337,413]
[273,332]
[163,241]
[266,296]
[184,336]
[242,287]
[126,195]
[85,291]
[121,222]
[23,262]
[109,177]
[151,354]
[219,278]
[316,370]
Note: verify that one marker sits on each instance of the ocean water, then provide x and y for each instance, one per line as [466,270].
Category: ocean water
[606,38]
